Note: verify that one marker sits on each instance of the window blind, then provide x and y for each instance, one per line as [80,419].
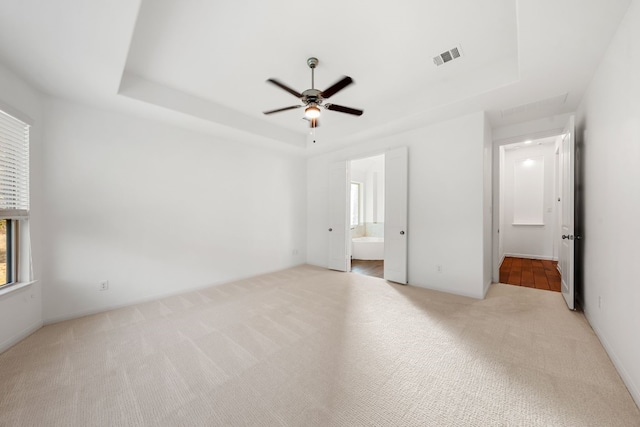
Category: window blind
[14,168]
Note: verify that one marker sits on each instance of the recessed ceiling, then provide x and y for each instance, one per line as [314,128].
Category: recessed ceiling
[204,64]
[220,53]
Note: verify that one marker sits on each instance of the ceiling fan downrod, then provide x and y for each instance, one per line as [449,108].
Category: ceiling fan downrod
[312,63]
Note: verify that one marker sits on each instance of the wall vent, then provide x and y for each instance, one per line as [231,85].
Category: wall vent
[448,55]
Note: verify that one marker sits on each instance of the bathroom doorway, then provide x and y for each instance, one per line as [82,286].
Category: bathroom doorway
[366,215]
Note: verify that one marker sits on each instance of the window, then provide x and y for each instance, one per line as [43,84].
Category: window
[7,267]
[355,203]
[14,192]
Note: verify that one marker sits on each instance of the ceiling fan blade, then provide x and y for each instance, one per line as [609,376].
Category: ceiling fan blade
[283,109]
[341,109]
[314,123]
[285,87]
[337,86]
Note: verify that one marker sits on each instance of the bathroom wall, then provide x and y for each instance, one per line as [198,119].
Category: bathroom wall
[370,172]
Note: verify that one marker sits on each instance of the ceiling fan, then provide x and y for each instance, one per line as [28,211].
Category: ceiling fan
[313,98]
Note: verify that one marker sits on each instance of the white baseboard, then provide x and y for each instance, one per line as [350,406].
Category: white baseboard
[7,344]
[178,291]
[527,256]
[486,288]
[633,388]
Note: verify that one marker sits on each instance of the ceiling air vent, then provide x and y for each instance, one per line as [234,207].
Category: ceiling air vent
[446,56]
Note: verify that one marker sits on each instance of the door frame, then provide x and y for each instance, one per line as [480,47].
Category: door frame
[349,180]
[347,234]
[360,156]
[497,181]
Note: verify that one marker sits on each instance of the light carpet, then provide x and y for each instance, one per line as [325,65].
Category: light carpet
[312,347]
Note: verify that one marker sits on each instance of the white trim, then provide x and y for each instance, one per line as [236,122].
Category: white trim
[7,344]
[446,290]
[16,114]
[527,256]
[634,391]
[156,297]
[530,136]
[487,286]
[14,287]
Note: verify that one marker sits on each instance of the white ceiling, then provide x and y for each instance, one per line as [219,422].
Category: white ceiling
[203,64]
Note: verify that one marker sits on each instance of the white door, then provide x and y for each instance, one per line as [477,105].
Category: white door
[567,166]
[395,215]
[338,227]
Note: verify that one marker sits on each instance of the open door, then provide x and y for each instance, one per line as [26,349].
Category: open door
[338,228]
[395,215]
[567,220]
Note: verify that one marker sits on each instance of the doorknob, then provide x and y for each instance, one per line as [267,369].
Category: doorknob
[331,229]
[402,233]
[567,236]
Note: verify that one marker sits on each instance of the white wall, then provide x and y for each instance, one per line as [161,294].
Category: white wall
[531,130]
[487,205]
[608,123]
[370,172]
[446,165]
[21,310]
[158,210]
[530,241]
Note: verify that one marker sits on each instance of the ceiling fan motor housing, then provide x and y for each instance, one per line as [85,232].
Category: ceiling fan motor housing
[312,96]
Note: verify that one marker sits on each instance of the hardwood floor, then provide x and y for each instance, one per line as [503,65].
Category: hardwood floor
[368,268]
[532,273]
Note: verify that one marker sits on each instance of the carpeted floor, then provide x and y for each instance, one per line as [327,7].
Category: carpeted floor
[312,347]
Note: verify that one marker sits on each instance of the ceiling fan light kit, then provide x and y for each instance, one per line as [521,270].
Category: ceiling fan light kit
[312,111]
[313,98]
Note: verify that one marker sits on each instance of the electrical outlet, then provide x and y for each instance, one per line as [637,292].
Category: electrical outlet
[439,267]
[294,252]
[103,286]
[599,301]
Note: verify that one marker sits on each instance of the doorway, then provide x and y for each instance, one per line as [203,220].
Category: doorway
[391,218]
[529,214]
[366,215]
[543,207]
